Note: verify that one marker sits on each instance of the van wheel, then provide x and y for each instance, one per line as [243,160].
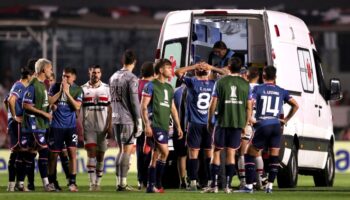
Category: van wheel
[288,176]
[325,177]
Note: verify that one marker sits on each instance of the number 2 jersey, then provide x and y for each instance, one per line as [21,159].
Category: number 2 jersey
[269,100]
[198,99]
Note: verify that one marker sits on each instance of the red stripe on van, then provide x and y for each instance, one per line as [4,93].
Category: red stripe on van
[277,31]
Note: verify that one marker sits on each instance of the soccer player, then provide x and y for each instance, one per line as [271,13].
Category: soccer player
[64,158]
[126,119]
[269,99]
[143,158]
[36,117]
[67,98]
[252,75]
[97,124]
[231,99]
[199,89]
[156,106]
[18,156]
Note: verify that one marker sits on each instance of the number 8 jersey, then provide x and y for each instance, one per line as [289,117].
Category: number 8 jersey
[198,99]
[269,100]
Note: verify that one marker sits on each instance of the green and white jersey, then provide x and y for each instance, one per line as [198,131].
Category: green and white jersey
[162,95]
[36,95]
[232,93]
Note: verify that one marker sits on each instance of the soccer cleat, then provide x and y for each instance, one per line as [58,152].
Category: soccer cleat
[11,187]
[268,190]
[31,187]
[139,185]
[192,188]
[21,188]
[92,187]
[73,188]
[183,185]
[210,190]
[160,190]
[125,188]
[97,188]
[244,190]
[154,190]
[228,190]
[49,187]
[57,186]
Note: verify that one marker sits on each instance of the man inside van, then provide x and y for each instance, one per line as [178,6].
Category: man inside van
[269,99]
[220,55]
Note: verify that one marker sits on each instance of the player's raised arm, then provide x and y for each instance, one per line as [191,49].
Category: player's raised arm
[182,71]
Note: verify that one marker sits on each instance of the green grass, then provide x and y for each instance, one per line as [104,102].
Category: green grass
[304,191]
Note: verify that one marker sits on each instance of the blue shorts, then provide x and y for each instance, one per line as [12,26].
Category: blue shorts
[14,132]
[180,146]
[161,136]
[267,136]
[33,139]
[227,137]
[198,136]
[60,138]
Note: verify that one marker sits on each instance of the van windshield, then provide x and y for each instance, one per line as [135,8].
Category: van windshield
[243,37]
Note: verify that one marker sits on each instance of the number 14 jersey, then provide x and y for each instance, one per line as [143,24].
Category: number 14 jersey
[269,100]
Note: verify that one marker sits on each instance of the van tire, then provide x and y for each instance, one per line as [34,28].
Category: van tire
[325,177]
[287,176]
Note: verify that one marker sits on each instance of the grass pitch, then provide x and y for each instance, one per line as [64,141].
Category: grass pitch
[304,191]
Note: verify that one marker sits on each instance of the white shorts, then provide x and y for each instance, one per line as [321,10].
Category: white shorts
[95,139]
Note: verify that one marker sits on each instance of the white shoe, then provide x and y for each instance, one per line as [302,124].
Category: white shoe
[92,187]
[73,188]
[210,190]
[50,188]
[97,188]
[228,190]
[11,187]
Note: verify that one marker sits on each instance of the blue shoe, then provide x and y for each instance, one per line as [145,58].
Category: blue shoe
[268,190]
[244,190]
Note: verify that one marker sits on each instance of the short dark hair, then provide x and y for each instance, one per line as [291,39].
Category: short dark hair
[95,67]
[29,69]
[235,64]
[160,64]
[129,57]
[253,72]
[147,69]
[270,72]
[70,70]
[220,45]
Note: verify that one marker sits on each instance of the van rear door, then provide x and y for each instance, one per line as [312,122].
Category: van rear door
[174,40]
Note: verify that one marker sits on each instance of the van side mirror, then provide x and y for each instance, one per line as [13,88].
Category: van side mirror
[334,89]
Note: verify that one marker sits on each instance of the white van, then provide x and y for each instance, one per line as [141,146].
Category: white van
[267,38]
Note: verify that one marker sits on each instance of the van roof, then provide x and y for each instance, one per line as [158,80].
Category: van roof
[240,11]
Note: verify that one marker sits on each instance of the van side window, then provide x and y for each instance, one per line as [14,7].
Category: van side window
[306,70]
[320,79]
